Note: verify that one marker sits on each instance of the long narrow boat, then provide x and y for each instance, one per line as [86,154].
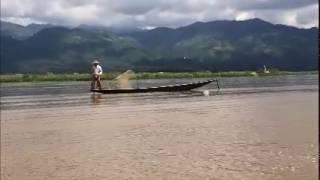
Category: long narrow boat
[169,88]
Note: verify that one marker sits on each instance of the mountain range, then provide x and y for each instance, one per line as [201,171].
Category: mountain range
[214,46]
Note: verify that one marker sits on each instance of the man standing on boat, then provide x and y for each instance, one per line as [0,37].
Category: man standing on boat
[96,72]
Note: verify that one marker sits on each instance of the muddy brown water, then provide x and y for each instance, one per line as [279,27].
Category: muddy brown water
[253,128]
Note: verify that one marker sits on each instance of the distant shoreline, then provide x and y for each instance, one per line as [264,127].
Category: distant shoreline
[6,78]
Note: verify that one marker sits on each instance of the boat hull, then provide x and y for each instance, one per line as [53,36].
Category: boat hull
[169,88]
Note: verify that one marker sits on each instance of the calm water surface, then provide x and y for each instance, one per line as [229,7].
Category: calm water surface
[252,128]
[43,95]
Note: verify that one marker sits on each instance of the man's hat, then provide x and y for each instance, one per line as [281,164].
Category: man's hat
[95,62]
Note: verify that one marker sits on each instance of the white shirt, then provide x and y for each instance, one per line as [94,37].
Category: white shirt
[97,70]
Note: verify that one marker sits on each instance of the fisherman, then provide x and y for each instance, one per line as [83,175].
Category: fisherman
[96,72]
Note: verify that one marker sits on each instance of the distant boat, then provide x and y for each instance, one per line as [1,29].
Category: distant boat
[169,88]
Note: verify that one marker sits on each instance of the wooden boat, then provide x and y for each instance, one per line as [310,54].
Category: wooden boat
[169,88]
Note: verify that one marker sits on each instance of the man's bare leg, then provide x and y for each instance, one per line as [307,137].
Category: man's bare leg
[99,82]
[93,82]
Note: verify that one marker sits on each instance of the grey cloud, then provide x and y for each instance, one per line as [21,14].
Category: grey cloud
[268,4]
[138,7]
[171,13]
[308,16]
[71,3]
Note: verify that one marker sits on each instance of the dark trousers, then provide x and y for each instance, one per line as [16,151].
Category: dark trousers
[95,81]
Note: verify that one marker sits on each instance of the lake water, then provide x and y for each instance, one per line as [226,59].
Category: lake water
[252,128]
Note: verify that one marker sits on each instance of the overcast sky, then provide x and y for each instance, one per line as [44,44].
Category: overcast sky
[155,13]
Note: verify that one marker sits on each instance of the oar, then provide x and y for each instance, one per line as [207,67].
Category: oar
[218,84]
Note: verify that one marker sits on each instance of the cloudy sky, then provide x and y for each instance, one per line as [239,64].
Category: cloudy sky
[155,13]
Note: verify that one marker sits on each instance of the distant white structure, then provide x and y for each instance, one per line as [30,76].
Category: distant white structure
[186,58]
[265,69]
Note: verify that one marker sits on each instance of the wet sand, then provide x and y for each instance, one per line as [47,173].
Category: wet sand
[265,136]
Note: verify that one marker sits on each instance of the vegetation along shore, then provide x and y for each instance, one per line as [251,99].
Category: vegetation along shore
[139,75]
